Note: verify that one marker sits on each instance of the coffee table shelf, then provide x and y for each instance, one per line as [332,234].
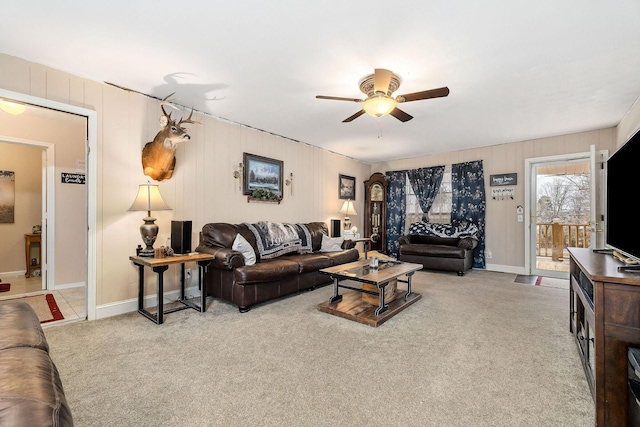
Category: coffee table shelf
[353,307]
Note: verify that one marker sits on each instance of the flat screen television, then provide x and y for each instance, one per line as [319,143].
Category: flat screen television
[622,232]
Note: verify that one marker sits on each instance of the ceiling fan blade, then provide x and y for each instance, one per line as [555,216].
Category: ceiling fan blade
[355,116]
[337,98]
[381,80]
[425,94]
[401,115]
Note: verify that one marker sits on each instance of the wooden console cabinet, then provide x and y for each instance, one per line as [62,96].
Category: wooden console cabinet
[604,315]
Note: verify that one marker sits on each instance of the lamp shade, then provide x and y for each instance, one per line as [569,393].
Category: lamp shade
[379,105]
[149,199]
[348,208]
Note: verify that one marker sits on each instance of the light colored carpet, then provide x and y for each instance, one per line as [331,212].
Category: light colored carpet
[44,305]
[476,350]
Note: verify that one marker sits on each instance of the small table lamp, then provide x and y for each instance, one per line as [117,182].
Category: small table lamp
[347,209]
[148,199]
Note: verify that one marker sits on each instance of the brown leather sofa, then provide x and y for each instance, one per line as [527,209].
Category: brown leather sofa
[438,253]
[31,392]
[230,279]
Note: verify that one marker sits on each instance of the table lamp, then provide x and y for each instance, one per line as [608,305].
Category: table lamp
[347,209]
[148,199]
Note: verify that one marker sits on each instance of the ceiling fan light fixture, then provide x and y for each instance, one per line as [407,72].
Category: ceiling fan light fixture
[379,105]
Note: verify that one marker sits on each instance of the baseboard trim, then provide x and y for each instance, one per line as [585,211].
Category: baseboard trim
[505,268]
[68,286]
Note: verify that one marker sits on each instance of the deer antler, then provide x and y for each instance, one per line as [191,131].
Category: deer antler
[167,101]
[188,120]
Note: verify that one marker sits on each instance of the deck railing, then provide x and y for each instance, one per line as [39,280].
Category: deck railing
[554,238]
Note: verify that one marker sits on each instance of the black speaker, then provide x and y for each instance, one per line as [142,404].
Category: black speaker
[335,228]
[181,237]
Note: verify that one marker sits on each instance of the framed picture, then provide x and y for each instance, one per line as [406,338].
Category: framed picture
[7,196]
[262,173]
[346,187]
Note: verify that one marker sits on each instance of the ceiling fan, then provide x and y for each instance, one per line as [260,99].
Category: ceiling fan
[379,87]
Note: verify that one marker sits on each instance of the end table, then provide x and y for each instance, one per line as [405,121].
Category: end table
[159,266]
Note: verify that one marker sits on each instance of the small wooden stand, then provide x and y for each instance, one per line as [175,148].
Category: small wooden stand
[29,240]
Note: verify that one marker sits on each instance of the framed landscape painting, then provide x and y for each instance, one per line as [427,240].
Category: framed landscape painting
[262,173]
[346,187]
[7,196]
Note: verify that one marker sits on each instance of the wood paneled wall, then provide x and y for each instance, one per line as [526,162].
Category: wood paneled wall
[505,236]
[202,189]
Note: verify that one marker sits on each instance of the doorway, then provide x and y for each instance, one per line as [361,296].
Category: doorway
[57,246]
[23,248]
[564,204]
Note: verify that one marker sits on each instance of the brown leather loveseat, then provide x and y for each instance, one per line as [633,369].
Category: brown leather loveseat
[31,392]
[231,277]
[440,246]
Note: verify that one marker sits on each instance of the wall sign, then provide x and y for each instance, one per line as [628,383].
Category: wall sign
[503,179]
[73,178]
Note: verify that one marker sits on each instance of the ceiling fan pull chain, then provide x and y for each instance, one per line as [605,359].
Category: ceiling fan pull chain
[379,129]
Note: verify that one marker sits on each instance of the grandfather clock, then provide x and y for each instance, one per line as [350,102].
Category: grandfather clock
[375,207]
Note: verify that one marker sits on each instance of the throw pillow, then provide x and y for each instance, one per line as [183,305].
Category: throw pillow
[241,244]
[331,244]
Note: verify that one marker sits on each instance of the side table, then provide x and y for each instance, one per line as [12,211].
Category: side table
[159,266]
[30,239]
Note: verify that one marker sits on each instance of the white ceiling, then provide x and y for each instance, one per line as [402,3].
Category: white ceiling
[516,70]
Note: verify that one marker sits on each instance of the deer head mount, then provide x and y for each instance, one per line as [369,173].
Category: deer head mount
[158,156]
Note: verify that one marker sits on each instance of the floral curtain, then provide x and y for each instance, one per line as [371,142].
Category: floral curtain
[396,209]
[426,183]
[469,202]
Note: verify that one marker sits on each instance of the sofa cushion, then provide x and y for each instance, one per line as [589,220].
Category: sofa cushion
[310,262]
[317,230]
[434,240]
[455,229]
[331,244]
[441,251]
[222,234]
[20,327]
[241,245]
[274,239]
[343,257]
[266,271]
[31,392]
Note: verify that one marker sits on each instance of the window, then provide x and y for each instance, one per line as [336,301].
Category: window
[441,208]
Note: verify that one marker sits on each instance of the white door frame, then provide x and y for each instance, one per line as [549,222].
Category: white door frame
[91,151]
[595,157]
[48,199]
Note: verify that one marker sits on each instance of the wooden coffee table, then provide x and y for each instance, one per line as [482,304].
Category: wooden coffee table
[352,306]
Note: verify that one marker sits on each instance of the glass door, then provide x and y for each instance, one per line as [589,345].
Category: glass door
[564,205]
